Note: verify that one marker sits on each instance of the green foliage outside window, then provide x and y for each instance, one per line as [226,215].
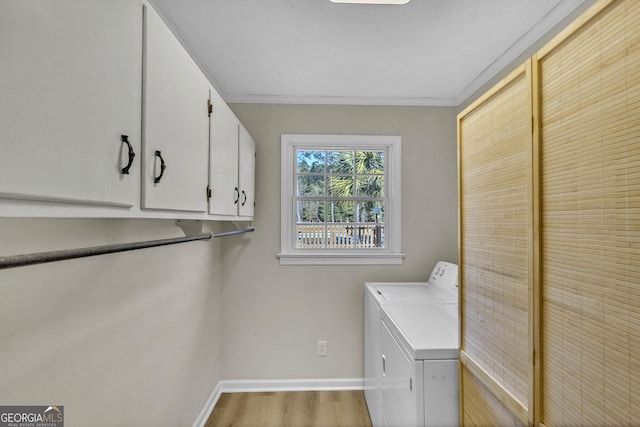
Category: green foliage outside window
[340,186]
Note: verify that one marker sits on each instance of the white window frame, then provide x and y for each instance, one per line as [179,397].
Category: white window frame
[392,253]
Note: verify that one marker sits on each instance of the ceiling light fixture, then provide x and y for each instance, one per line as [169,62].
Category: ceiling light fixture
[372,1]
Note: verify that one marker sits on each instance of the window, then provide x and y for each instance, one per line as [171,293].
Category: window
[340,199]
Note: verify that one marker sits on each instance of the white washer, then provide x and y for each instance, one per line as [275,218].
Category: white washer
[411,350]
[441,286]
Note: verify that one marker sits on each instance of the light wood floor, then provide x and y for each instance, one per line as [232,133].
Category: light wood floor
[291,409]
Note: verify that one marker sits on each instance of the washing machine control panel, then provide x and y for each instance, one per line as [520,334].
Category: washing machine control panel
[445,275]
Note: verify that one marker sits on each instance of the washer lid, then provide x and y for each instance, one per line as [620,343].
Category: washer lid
[427,332]
[405,292]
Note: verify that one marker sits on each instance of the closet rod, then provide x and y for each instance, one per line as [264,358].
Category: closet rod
[231,233]
[65,254]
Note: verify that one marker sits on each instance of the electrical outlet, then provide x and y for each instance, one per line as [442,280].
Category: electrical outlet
[321,348]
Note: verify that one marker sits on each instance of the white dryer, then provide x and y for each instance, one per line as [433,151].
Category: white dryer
[411,350]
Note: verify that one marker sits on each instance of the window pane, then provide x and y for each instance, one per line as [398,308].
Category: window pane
[340,235]
[370,186]
[310,161]
[370,162]
[310,211]
[372,212]
[310,235]
[310,185]
[340,211]
[340,186]
[371,220]
[340,162]
[369,236]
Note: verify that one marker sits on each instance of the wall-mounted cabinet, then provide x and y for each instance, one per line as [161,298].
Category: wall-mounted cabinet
[246,172]
[103,113]
[70,88]
[223,180]
[233,152]
[175,134]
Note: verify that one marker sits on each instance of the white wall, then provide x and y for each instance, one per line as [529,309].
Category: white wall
[273,315]
[128,339]
[137,338]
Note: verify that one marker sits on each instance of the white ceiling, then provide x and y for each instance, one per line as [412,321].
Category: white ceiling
[427,52]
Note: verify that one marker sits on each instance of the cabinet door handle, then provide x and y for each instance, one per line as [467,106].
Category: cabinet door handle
[132,155]
[235,202]
[244,197]
[163,166]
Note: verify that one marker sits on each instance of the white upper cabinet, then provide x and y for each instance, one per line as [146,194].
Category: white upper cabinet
[175,123]
[223,179]
[70,84]
[103,113]
[232,173]
[246,174]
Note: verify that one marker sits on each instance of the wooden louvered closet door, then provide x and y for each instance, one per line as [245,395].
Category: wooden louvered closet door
[590,220]
[495,148]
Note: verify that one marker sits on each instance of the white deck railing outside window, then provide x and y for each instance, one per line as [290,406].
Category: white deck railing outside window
[338,236]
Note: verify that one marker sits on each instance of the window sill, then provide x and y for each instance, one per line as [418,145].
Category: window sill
[347,258]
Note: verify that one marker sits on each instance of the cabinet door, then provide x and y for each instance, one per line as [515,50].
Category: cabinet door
[223,178]
[70,88]
[246,178]
[175,123]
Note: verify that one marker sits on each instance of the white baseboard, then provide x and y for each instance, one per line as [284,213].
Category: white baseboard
[312,384]
[247,386]
[208,407]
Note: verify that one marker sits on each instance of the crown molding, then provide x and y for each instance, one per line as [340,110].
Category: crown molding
[339,100]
